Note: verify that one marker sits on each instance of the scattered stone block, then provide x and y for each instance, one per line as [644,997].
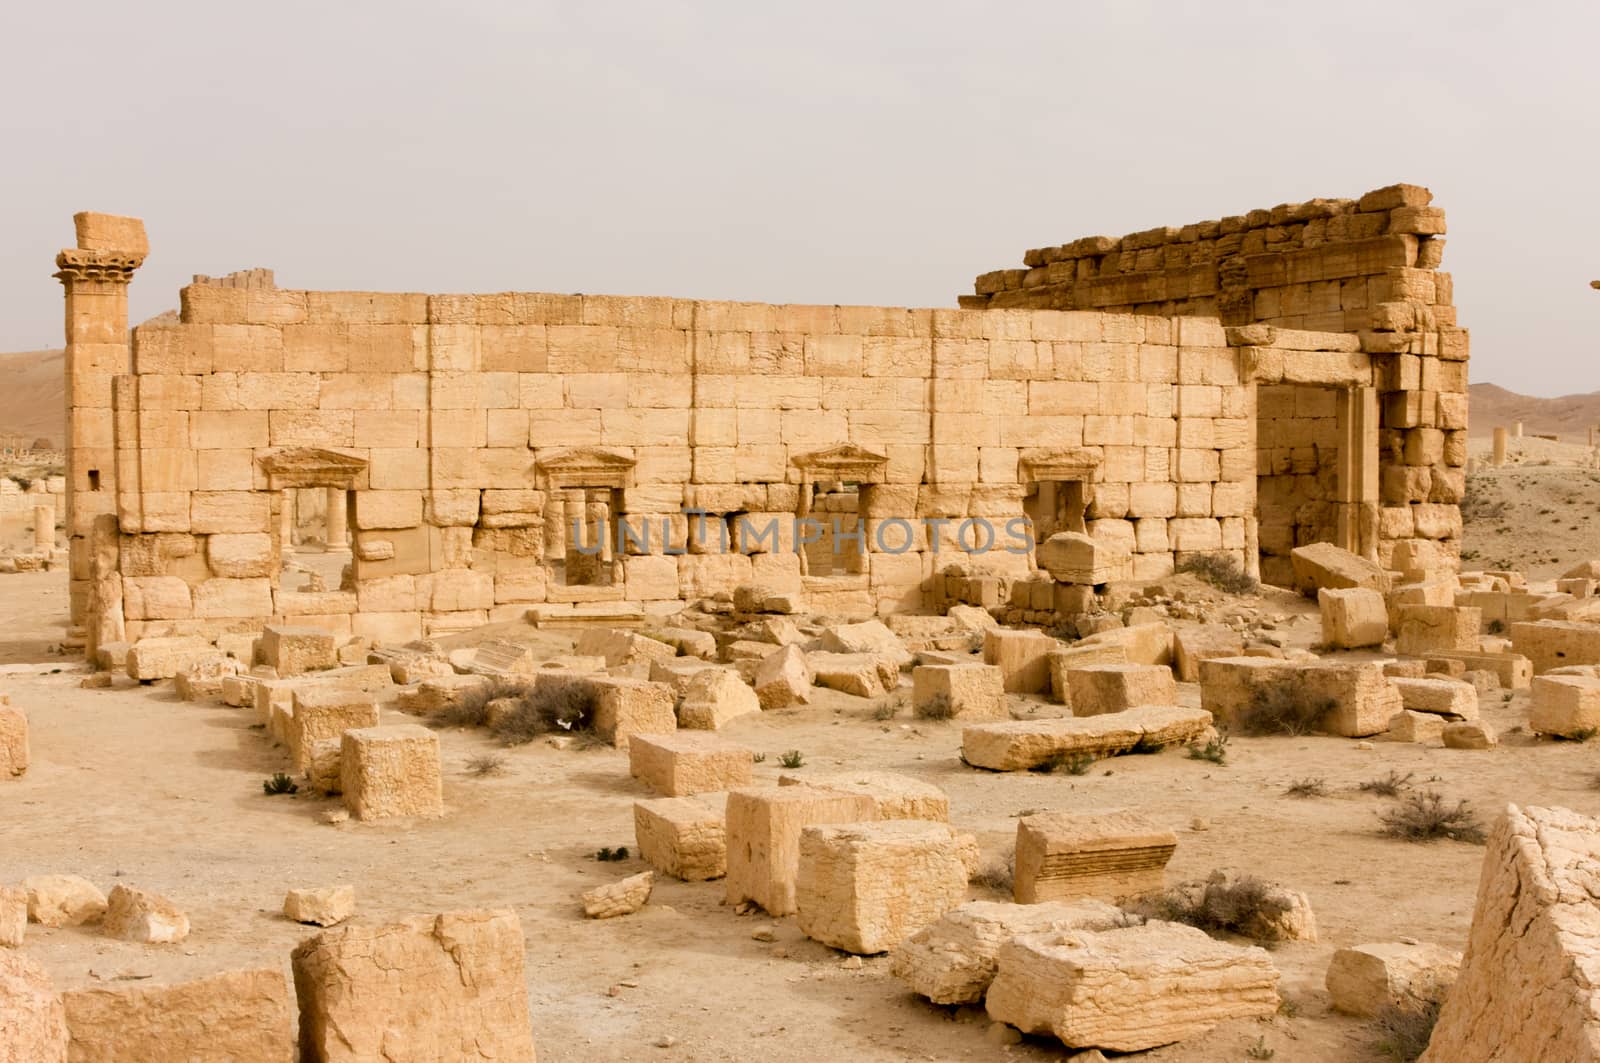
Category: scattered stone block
[1555,643]
[234,1017]
[13,740]
[297,650]
[869,636]
[1261,911]
[1474,735]
[865,887]
[1423,728]
[685,837]
[713,698]
[324,906]
[1444,697]
[677,672]
[893,796]
[689,762]
[784,678]
[1514,671]
[162,658]
[1130,989]
[1565,705]
[763,831]
[1191,645]
[623,647]
[862,674]
[1098,689]
[1075,558]
[625,707]
[1411,669]
[13,916]
[1323,565]
[619,898]
[1522,992]
[446,692]
[1023,658]
[1353,617]
[1367,980]
[63,900]
[1066,855]
[952,960]
[138,915]
[445,987]
[33,1023]
[968,692]
[203,679]
[1019,745]
[239,691]
[391,771]
[1140,643]
[324,712]
[1423,630]
[324,771]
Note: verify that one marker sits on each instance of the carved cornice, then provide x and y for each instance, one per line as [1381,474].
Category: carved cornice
[76,264]
[847,462]
[310,467]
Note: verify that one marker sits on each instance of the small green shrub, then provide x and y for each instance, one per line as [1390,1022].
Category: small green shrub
[792,759]
[1071,763]
[279,784]
[1259,1050]
[1581,735]
[997,873]
[1146,747]
[759,758]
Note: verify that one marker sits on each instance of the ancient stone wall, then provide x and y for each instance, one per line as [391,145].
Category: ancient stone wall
[1367,266]
[1297,462]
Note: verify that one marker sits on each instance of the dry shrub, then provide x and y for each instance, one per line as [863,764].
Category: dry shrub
[472,708]
[1402,1033]
[1424,816]
[1222,571]
[551,707]
[1388,785]
[1277,707]
[486,764]
[937,707]
[1234,906]
[997,873]
[1307,787]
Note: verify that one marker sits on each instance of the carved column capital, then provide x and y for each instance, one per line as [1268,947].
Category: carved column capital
[76,264]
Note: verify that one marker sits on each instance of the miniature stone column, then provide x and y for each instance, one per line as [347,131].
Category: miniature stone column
[96,274]
[1357,512]
[1499,447]
[338,527]
[44,529]
[1519,430]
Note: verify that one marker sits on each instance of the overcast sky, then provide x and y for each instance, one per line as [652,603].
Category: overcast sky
[819,152]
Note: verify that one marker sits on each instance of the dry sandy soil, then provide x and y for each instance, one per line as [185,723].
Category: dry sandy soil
[1540,513]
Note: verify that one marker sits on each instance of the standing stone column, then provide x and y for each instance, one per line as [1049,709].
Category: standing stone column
[1519,430]
[338,526]
[44,529]
[95,274]
[1499,447]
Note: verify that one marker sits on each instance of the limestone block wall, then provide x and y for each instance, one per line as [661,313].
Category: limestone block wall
[462,435]
[1297,458]
[1368,267]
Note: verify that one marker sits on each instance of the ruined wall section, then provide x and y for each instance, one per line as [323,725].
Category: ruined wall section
[1367,266]
[457,421]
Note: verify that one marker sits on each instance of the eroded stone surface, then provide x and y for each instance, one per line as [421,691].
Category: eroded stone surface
[235,1017]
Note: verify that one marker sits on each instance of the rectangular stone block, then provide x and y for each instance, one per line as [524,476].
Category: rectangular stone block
[293,651]
[969,692]
[391,771]
[326,712]
[688,762]
[1565,705]
[1556,643]
[685,837]
[626,707]
[1352,617]
[1426,629]
[893,796]
[764,828]
[1064,855]
[1101,688]
[865,887]
[1021,656]
[233,1017]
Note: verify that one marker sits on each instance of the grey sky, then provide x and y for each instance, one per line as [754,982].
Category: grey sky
[825,152]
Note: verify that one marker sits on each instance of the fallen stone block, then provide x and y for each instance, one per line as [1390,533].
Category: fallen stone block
[324,906]
[1098,689]
[501,657]
[865,887]
[13,916]
[1353,617]
[1522,992]
[138,915]
[33,1023]
[1064,660]
[1140,643]
[893,796]
[1514,671]
[1191,645]
[1236,903]
[619,898]
[162,658]
[1320,565]
[1023,744]
[1130,989]
[391,771]
[1422,630]
[784,678]
[203,679]
[869,636]
[972,692]
[1263,694]
[297,650]
[324,712]
[1423,728]
[1076,558]
[677,672]
[623,647]
[63,900]
[13,740]
[689,642]
[1554,643]
[1567,706]
[1367,980]
[715,697]
[763,831]
[447,692]
[1444,697]
[861,674]
[234,1017]
[685,837]
[1067,855]
[689,762]
[1023,658]
[952,960]
[361,988]
[1473,735]
[626,707]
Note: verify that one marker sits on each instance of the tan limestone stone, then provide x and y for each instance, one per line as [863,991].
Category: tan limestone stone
[1097,689]
[1022,744]
[865,887]
[33,1024]
[1352,617]
[619,898]
[1021,656]
[1565,705]
[893,796]
[322,712]
[13,741]
[63,900]
[763,832]
[294,651]
[1367,980]
[391,771]
[320,906]
[1064,856]
[714,697]
[138,915]
[967,692]
[784,678]
[233,1017]
[685,837]
[688,762]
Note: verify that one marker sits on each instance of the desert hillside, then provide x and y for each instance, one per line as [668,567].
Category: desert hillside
[1568,417]
[33,398]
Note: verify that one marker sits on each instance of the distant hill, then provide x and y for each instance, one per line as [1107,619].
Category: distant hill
[33,395]
[1569,417]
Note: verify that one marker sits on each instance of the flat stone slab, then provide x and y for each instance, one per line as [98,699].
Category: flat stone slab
[1023,744]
